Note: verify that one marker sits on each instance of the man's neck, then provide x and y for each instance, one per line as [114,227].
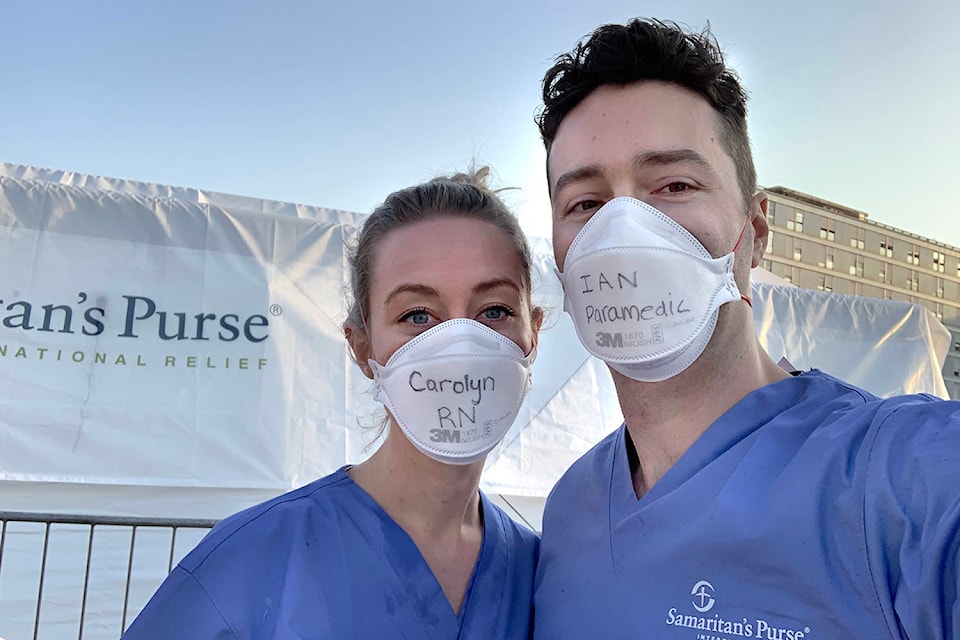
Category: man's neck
[664,419]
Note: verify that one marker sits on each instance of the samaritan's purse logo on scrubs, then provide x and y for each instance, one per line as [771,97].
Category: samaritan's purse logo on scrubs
[703,596]
[716,627]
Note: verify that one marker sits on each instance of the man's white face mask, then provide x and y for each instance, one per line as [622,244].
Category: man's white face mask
[643,293]
[455,389]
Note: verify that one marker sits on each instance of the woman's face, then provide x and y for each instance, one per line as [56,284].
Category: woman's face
[440,269]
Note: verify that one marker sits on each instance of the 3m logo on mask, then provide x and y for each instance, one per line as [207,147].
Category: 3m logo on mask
[453,435]
[619,339]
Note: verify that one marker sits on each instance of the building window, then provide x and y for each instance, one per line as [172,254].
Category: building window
[882,275]
[797,254]
[829,261]
[886,248]
[938,260]
[769,248]
[913,257]
[797,223]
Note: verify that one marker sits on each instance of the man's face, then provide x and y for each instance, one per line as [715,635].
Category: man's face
[659,143]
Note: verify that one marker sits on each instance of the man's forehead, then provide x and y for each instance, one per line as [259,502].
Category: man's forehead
[619,123]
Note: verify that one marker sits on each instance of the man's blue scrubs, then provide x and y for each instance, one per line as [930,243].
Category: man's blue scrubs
[810,510]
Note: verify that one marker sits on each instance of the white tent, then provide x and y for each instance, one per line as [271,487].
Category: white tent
[176,352]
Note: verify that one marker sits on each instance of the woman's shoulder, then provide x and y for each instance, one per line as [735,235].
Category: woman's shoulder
[273,521]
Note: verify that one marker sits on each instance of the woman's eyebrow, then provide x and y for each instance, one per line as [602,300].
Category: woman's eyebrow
[404,287]
[495,283]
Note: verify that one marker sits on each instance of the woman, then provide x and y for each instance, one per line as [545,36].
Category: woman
[403,545]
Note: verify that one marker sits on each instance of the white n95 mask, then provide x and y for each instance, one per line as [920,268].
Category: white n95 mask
[643,293]
[455,389]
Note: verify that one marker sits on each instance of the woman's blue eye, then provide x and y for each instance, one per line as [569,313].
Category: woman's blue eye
[419,317]
[496,313]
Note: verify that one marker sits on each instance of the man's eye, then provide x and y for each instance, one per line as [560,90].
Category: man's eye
[676,187]
[584,206]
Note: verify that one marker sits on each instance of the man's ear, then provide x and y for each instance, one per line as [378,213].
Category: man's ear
[359,343]
[761,230]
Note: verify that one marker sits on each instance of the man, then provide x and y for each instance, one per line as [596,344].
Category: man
[737,500]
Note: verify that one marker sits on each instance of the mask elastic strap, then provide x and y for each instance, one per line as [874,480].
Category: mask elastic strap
[743,230]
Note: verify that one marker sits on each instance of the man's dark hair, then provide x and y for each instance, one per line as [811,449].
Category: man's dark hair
[652,50]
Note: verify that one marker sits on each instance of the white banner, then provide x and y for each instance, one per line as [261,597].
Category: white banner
[153,341]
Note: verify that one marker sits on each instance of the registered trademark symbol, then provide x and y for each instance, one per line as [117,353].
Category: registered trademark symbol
[275,309]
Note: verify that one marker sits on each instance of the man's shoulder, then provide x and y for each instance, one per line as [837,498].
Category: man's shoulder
[589,474]
[512,531]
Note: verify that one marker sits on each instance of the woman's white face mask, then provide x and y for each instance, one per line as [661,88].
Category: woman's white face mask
[455,389]
[643,293]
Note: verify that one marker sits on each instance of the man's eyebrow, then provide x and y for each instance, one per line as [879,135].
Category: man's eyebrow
[420,289]
[673,156]
[575,175]
[641,160]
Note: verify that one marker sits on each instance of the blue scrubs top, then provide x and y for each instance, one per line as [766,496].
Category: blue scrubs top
[326,562]
[811,510]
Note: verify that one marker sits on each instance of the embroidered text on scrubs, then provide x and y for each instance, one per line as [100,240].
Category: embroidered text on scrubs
[744,629]
[717,624]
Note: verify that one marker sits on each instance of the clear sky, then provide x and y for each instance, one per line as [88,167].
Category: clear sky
[336,104]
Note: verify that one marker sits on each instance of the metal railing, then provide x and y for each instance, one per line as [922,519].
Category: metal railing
[94,525]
